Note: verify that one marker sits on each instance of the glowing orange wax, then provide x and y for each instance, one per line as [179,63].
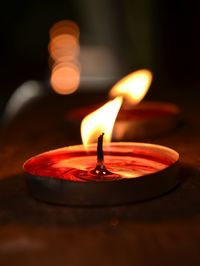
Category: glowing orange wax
[139,171]
[125,160]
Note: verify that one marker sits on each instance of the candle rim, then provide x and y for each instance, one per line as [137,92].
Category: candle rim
[171,152]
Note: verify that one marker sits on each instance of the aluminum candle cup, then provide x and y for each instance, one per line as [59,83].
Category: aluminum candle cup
[145,120]
[140,171]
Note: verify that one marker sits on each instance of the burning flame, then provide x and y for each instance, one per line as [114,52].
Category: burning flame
[100,121]
[134,86]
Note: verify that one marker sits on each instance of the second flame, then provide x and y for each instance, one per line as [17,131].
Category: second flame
[132,87]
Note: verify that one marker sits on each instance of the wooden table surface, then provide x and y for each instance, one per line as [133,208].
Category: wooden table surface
[161,231]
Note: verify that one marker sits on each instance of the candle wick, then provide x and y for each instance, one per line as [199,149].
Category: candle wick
[100,155]
[100,169]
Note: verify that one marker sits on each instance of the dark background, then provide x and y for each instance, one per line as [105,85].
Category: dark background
[161,35]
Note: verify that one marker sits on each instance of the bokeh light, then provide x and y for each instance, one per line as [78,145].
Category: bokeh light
[64,45]
[65,78]
[64,27]
[64,49]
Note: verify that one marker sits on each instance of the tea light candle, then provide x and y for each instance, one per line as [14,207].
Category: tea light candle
[145,120]
[131,172]
[137,171]
[137,119]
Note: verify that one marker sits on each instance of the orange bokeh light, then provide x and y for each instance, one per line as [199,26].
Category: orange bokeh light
[65,78]
[64,45]
[64,49]
[64,27]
